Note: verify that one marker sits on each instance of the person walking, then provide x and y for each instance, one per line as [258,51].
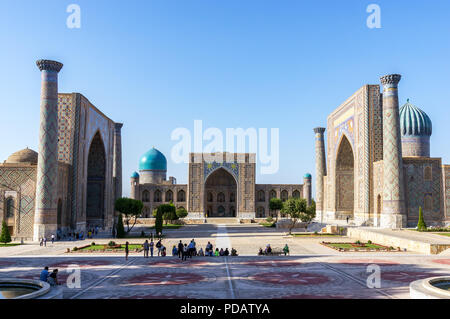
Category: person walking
[347,219]
[185,252]
[146,249]
[127,251]
[53,239]
[41,242]
[151,247]
[180,249]
[45,241]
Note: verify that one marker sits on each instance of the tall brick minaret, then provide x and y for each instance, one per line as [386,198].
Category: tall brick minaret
[117,162]
[45,217]
[393,215]
[321,171]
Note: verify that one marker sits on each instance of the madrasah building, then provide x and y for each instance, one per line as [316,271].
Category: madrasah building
[377,169]
[216,189]
[72,183]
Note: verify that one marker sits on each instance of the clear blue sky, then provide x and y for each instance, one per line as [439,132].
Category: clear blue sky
[158,65]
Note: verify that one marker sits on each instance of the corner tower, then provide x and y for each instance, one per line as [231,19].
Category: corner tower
[45,217]
[393,215]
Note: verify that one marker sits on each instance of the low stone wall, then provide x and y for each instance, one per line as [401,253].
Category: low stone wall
[392,240]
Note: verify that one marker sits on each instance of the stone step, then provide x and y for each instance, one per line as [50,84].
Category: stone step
[223,220]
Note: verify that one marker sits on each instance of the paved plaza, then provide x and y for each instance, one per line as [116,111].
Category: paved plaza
[312,270]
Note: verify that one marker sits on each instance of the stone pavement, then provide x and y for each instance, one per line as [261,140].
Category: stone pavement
[312,270]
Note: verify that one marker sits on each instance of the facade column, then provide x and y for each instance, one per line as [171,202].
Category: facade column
[321,171]
[45,217]
[393,215]
[117,161]
[307,188]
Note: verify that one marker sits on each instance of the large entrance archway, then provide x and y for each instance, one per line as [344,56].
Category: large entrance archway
[95,193]
[345,179]
[220,194]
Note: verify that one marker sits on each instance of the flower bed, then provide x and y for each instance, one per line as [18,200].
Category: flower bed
[107,248]
[362,247]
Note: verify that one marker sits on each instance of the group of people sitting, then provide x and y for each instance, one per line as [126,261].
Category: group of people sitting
[185,251]
[51,278]
[268,250]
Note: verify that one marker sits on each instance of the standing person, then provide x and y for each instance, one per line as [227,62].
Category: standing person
[159,245]
[41,242]
[127,251]
[347,219]
[151,246]
[53,239]
[45,241]
[44,275]
[180,249]
[185,252]
[146,248]
[174,251]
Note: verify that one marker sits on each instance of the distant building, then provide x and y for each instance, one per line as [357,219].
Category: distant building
[214,189]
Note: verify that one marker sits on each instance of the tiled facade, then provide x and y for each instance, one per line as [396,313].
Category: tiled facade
[217,189]
[366,177]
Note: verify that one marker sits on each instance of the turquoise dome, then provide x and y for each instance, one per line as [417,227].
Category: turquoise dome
[135,175]
[153,160]
[307,175]
[414,121]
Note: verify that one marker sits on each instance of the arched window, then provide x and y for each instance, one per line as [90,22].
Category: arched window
[210,197]
[169,196]
[146,196]
[273,194]
[232,198]
[261,196]
[9,207]
[181,196]
[428,173]
[260,212]
[296,194]
[428,202]
[284,195]
[157,196]
[221,197]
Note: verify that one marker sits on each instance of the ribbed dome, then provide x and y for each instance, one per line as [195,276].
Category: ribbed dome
[24,156]
[414,121]
[135,175]
[153,160]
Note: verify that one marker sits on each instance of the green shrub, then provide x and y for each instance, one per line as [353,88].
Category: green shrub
[112,243]
[182,213]
[421,226]
[369,242]
[5,236]
[92,244]
[159,221]
[269,219]
[358,242]
[75,248]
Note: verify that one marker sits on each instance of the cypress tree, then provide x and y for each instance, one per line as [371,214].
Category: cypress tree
[421,226]
[5,236]
[120,229]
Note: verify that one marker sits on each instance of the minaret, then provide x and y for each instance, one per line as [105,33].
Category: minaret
[321,171]
[117,162]
[307,188]
[45,217]
[393,215]
[134,185]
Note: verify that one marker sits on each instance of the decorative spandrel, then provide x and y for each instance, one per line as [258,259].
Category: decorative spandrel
[232,167]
